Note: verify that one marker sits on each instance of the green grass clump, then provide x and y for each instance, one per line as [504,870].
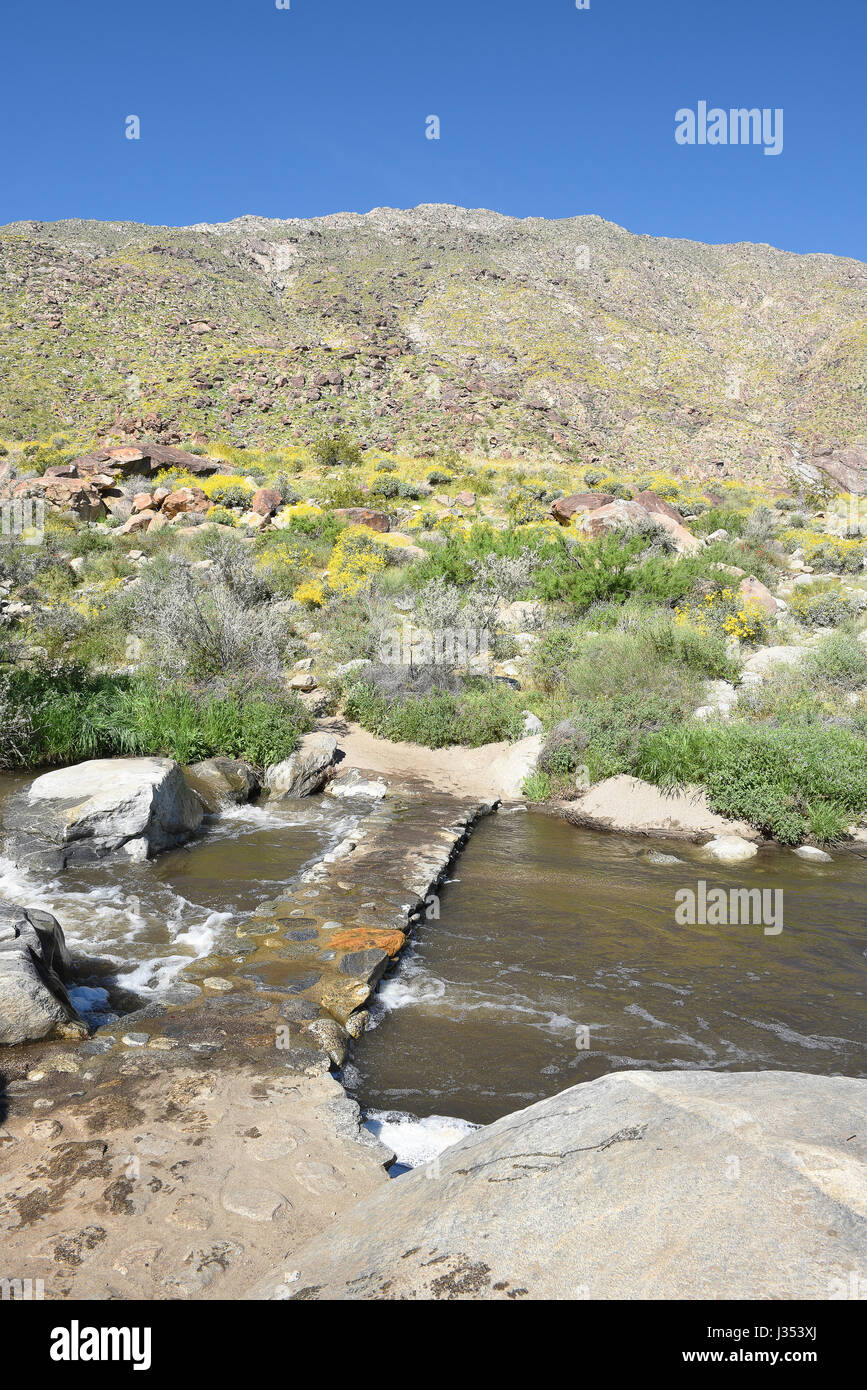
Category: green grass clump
[65,716]
[788,782]
[440,718]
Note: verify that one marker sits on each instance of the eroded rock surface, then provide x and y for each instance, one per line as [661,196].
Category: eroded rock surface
[640,1185]
[34,965]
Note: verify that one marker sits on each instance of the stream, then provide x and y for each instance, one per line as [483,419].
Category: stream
[547,931]
[556,958]
[138,925]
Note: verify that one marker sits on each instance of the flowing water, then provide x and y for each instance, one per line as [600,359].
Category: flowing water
[547,931]
[557,957]
[133,927]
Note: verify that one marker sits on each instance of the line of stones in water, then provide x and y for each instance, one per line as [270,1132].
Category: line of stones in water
[306,964]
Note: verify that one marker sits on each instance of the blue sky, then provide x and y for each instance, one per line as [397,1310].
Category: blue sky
[545,110]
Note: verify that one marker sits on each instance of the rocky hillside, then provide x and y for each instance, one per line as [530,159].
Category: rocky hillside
[436,327]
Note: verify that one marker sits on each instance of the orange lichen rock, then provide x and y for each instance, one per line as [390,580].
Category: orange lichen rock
[360,938]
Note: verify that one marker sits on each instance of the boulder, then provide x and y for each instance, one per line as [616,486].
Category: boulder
[363,516]
[614,516]
[509,769]
[565,508]
[753,590]
[76,495]
[306,771]
[222,782]
[685,543]
[184,499]
[139,521]
[132,807]
[641,1185]
[652,502]
[846,467]
[731,849]
[354,784]
[34,963]
[266,501]
[764,659]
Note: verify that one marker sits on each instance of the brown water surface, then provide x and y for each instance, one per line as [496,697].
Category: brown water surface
[547,929]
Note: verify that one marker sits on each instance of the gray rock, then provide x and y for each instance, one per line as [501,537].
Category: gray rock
[222,782]
[306,771]
[34,962]
[133,807]
[368,965]
[640,1185]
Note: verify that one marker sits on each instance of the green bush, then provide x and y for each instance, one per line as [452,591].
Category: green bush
[330,451]
[820,605]
[839,660]
[787,782]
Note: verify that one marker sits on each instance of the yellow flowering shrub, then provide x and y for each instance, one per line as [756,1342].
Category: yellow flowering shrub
[311,593]
[358,555]
[726,610]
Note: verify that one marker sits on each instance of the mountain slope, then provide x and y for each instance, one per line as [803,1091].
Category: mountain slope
[434,327]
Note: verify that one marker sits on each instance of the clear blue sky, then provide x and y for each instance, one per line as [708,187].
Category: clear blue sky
[545,110]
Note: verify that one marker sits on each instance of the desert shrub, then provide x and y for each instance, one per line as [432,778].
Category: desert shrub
[759,525]
[65,715]
[221,516]
[820,605]
[343,490]
[839,660]
[385,487]
[480,713]
[333,450]
[725,610]
[358,555]
[526,504]
[564,749]
[205,627]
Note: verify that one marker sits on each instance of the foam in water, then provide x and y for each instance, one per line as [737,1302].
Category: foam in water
[414,1141]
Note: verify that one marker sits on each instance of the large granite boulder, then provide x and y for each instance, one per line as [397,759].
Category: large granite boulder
[564,508]
[641,1185]
[220,782]
[134,807]
[34,963]
[306,771]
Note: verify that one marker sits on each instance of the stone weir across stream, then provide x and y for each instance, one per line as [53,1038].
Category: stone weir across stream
[321,950]
[198,1144]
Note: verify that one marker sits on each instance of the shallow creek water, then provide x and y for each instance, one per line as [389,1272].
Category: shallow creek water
[138,925]
[544,930]
[547,929]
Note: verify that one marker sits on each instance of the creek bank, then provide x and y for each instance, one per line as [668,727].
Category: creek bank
[638,1185]
[634,807]
[189,1147]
